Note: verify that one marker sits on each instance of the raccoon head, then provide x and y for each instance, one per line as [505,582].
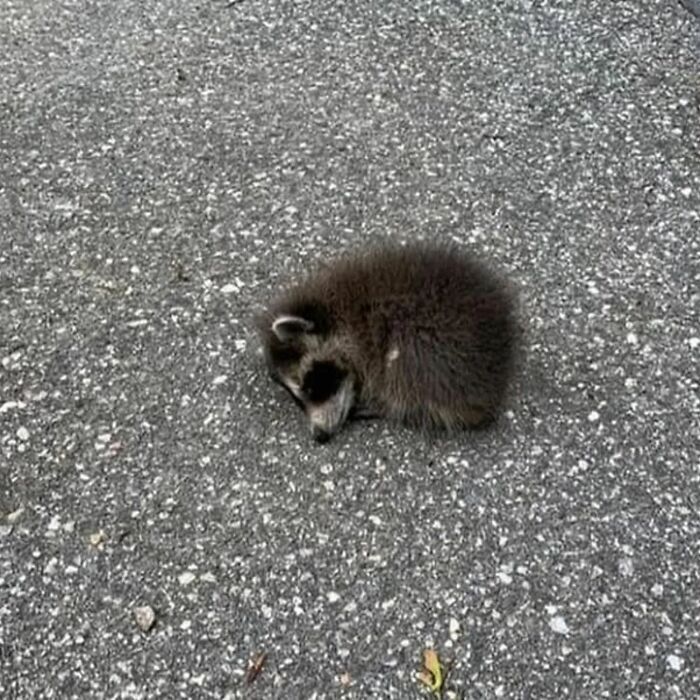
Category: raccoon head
[306,358]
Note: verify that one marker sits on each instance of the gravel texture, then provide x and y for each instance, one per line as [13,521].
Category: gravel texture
[164,515]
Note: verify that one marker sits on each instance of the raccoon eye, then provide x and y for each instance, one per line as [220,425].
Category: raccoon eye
[322,381]
[285,355]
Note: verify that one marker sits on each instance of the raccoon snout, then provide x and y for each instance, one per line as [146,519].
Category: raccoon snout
[328,418]
[320,435]
[325,421]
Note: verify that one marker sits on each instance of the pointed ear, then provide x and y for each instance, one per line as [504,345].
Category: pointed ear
[287,327]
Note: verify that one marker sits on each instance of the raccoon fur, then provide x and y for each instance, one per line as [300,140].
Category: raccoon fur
[422,334]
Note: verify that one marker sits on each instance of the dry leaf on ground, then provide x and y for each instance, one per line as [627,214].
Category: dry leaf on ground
[431,674]
[255,666]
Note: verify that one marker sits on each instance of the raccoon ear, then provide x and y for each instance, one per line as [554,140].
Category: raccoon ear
[286,327]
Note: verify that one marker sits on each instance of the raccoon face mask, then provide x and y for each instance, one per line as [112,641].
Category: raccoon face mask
[310,369]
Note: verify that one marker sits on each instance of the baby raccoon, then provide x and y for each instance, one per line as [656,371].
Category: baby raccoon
[422,334]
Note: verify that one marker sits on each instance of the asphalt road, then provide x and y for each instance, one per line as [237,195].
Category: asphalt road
[163,167]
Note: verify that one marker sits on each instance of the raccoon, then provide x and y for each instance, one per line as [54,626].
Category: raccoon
[422,333]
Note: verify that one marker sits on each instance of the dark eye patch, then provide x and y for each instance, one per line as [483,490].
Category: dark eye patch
[322,381]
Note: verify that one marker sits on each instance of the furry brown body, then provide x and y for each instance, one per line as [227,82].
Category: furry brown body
[423,334]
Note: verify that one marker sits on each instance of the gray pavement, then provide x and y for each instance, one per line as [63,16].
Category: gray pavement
[163,167]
